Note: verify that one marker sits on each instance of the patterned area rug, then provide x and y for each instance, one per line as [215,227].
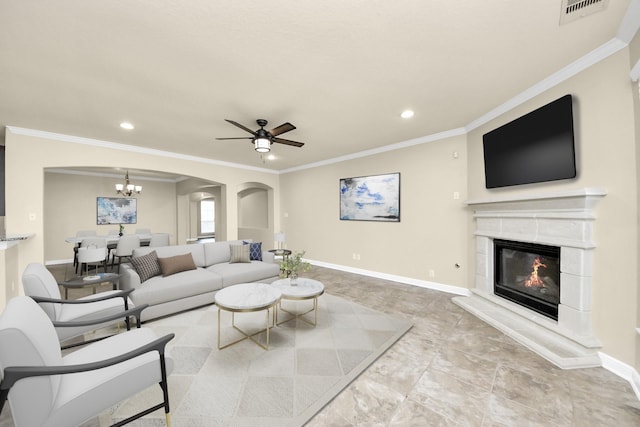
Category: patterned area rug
[245,385]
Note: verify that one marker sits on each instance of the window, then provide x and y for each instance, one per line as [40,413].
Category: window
[207,217]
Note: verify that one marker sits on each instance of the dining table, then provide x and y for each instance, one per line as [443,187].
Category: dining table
[112,239]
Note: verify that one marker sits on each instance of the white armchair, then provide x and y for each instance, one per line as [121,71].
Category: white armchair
[72,318]
[36,380]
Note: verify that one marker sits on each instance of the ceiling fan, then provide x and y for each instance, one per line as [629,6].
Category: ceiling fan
[262,139]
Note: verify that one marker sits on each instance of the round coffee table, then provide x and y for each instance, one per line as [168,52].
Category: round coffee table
[305,289]
[245,298]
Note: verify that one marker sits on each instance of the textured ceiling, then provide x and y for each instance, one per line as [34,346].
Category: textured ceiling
[341,71]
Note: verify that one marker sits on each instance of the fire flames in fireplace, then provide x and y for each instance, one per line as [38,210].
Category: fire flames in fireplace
[534,280]
[528,274]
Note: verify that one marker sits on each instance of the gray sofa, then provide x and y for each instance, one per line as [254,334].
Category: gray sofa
[197,287]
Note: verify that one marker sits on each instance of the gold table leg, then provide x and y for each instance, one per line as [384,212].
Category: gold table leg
[246,334]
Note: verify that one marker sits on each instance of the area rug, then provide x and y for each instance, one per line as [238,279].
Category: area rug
[245,385]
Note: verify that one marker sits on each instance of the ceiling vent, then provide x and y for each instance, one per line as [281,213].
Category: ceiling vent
[575,9]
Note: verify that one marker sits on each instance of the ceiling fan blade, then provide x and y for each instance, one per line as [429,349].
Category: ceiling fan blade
[288,142]
[285,127]
[242,137]
[241,126]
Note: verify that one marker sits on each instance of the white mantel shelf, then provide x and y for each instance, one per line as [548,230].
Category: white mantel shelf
[581,193]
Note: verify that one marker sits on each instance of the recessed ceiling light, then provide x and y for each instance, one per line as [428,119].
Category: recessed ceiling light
[271,157]
[406,114]
[126,125]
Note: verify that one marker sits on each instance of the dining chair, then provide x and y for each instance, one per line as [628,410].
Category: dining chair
[91,256]
[81,233]
[73,318]
[91,242]
[45,388]
[125,247]
[159,239]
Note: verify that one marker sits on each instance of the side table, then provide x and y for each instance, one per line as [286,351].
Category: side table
[245,298]
[83,281]
[305,289]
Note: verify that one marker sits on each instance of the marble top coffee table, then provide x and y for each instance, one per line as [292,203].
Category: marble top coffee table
[245,298]
[305,289]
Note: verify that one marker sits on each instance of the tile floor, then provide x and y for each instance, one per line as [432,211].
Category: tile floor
[452,369]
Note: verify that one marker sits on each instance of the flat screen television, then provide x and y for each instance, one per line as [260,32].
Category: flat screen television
[536,147]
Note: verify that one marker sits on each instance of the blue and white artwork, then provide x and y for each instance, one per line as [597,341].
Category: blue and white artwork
[370,198]
[117,210]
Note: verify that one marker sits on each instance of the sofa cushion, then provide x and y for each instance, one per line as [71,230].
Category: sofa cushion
[160,289]
[235,273]
[196,249]
[255,251]
[176,264]
[239,253]
[216,252]
[147,266]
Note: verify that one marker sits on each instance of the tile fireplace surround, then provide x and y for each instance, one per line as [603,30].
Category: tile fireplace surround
[565,219]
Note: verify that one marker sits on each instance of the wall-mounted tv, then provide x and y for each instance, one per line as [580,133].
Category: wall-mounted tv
[536,147]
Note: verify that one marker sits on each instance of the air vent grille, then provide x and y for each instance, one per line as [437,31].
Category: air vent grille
[575,9]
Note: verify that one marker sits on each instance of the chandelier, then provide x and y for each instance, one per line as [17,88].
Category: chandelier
[127,189]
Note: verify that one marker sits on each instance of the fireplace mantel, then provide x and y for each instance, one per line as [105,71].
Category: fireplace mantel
[565,219]
[570,199]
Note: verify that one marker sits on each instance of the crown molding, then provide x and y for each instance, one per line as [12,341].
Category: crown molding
[130,148]
[397,146]
[611,47]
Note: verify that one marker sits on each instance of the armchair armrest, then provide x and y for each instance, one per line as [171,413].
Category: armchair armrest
[119,294]
[135,312]
[13,374]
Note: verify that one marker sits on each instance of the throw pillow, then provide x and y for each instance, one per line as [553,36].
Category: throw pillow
[176,264]
[239,253]
[146,266]
[255,251]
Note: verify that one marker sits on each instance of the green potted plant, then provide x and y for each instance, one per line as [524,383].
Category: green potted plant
[292,265]
[121,230]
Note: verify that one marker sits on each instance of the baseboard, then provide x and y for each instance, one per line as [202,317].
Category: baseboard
[58,261]
[400,279]
[622,370]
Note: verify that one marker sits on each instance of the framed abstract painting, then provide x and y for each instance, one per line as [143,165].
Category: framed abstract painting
[370,198]
[117,210]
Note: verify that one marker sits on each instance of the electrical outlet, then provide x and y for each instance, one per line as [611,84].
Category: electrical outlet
[432,273]
[32,217]
[456,195]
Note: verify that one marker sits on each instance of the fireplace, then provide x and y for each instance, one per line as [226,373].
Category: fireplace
[563,221]
[528,274]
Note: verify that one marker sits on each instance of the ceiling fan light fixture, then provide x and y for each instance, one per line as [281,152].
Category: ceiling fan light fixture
[262,145]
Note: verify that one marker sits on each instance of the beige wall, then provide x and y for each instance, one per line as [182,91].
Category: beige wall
[605,142]
[431,234]
[28,156]
[70,205]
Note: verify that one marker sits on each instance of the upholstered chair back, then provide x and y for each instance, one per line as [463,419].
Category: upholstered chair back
[94,242]
[127,244]
[37,281]
[159,239]
[27,338]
